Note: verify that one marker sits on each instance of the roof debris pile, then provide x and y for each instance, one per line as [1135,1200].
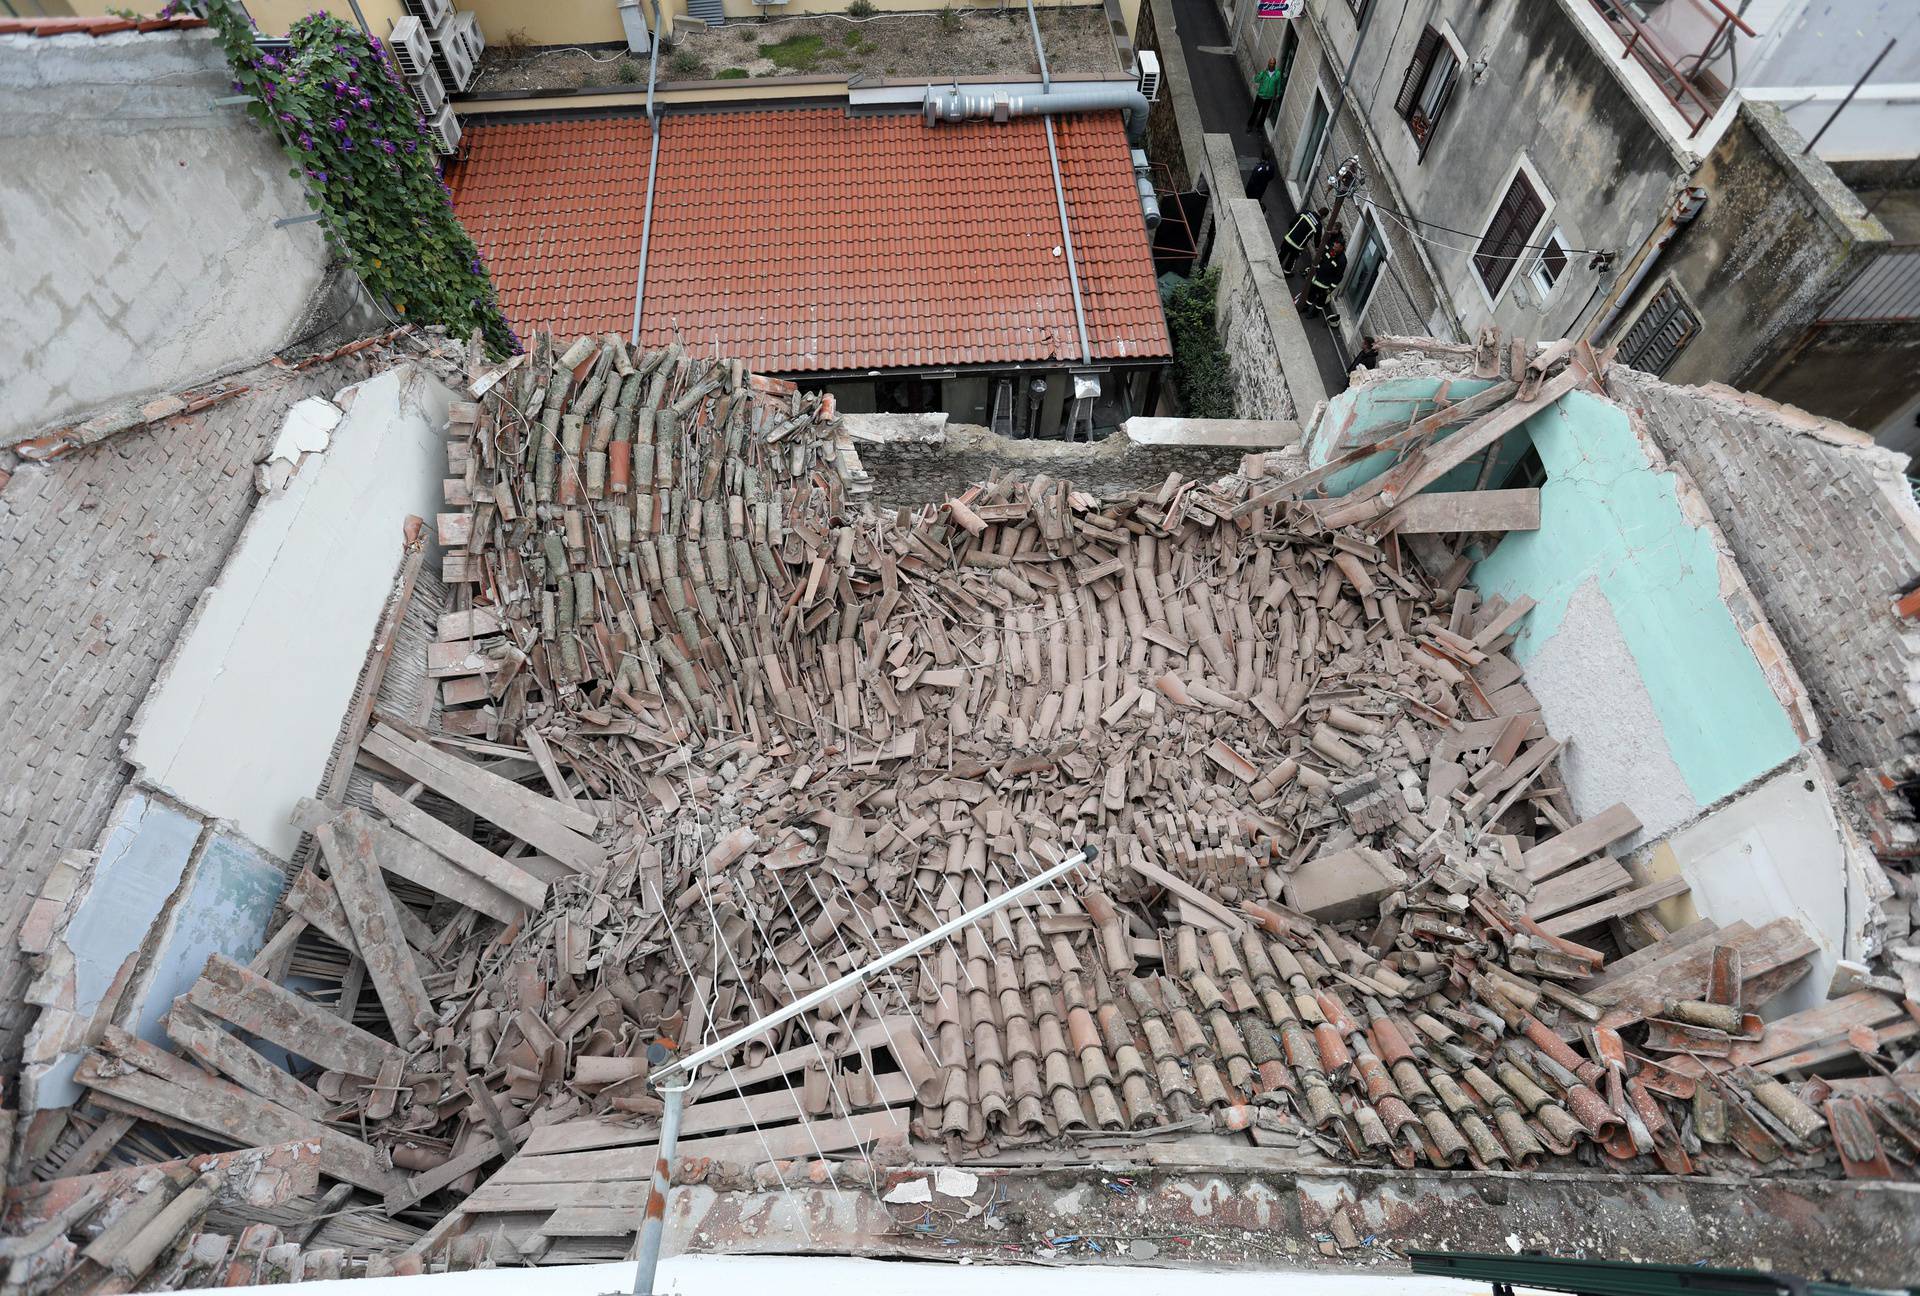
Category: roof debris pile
[776,735]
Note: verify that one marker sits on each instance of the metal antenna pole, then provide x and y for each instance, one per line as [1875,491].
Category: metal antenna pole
[1842,105]
[654,1228]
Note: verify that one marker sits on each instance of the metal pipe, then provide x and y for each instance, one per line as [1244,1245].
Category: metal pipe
[1685,208]
[653,176]
[1842,107]
[1066,240]
[806,1003]
[957,105]
[653,1229]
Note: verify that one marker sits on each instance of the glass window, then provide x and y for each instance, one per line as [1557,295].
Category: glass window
[1364,267]
[1550,264]
[1310,144]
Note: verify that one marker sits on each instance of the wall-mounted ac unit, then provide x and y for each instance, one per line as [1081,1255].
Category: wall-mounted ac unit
[446,131]
[468,27]
[411,49]
[451,59]
[1150,75]
[428,92]
[431,13]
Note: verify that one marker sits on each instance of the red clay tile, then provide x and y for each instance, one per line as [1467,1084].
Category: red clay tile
[808,240]
[105,25]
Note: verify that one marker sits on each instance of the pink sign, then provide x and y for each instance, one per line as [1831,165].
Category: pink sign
[1280,8]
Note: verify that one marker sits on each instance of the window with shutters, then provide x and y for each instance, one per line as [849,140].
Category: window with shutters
[1370,253]
[1505,242]
[1661,333]
[1428,85]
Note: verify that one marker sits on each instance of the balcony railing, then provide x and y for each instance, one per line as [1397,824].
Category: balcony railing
[1684,75]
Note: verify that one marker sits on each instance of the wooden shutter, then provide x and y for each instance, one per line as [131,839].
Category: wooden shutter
[1507,233]
[1417,72]
[1660,334]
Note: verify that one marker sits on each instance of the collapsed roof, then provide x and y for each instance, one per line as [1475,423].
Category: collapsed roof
[700,733]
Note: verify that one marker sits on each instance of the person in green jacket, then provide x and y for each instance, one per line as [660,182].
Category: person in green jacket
[1266,96]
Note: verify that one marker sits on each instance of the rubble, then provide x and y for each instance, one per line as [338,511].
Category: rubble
[711,734]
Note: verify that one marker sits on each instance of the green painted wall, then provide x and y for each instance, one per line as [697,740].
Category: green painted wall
[1607,516]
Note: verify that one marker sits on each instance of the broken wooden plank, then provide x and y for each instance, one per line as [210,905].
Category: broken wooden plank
[1616,906]
[1580,841]
[1488,510]
[375,922]
[279,1016]
[538,820]
[204,1039]
[141,1073]
[1578,887]
[459,849]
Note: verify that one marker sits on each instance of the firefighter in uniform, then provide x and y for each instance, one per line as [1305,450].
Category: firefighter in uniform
[1317,297]
[1299,237]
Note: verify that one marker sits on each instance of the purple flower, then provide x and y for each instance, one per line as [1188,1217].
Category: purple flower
[338,123]
[386,145]
[306,141]
[412,146]
[346,143]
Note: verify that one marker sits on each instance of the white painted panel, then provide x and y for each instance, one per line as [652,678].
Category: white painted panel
[242,723]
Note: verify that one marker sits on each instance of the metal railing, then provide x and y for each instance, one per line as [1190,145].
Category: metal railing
[1886,291]
[1682,76]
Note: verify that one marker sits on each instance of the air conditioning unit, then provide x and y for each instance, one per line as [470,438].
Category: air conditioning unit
[428,92]
[1150,76]
[446,131]
[431,13]
[468,27]
[451,59]
[411,49]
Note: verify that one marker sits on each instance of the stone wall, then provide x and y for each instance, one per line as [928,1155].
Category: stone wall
[1274,372]
[138,251]
[1827,533]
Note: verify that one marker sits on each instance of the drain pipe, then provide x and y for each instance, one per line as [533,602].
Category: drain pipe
[1685,207]
[1059,187]
[653,176]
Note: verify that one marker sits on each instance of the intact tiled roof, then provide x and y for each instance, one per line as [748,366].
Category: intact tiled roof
[104,26]
[809,240]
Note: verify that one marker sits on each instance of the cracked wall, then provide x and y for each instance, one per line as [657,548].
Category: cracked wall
[138,252]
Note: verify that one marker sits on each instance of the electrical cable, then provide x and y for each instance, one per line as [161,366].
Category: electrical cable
[1408,222]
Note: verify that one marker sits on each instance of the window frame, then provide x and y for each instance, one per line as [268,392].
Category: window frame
[1535,270]
[1434,43]
[1521,167]
[1309,143]
[1369,229]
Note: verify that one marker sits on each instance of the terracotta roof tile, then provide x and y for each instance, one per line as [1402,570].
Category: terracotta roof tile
[102,26]
[809,240]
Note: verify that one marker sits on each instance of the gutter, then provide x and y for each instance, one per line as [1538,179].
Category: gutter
[653,177]
[1685,207]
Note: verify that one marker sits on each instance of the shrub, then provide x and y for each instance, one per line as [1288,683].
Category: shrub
[731,74]
[949,19]
[362,151]
[862,9]
[514,46]
[628,71]
[1200,371]
[685,63]
[852,38]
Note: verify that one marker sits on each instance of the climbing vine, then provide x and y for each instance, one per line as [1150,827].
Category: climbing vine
[359,145]
[1201,372]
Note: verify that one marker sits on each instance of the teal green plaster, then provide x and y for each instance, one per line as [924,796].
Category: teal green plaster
[1359,416]
[1607,516]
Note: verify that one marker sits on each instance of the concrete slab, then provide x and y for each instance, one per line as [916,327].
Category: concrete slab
[244,718]
[1250,434]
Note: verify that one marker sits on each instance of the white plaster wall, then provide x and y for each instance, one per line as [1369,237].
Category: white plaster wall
[1592,698]
[1776,849]
[243,720]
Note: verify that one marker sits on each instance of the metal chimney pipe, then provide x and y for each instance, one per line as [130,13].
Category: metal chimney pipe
[959,105]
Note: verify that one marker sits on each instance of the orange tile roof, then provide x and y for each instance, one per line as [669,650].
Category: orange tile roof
[808,240]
